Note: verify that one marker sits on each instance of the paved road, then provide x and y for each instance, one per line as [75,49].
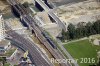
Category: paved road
[25,44]
[57,20]
[65,51]
[74,41]
[46,8]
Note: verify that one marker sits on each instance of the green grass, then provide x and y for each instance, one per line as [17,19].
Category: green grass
[10,52]
[82,49]
[6,64]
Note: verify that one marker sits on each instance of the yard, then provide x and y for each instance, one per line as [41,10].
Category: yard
[81,50]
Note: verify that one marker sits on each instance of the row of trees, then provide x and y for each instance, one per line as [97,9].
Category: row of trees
[81,30]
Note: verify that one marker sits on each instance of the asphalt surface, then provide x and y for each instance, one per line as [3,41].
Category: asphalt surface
[25,44]
[28,45]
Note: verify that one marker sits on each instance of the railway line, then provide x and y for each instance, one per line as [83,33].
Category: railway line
[39,34]
[25,44]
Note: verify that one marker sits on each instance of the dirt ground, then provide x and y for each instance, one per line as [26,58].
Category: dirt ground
[4,6]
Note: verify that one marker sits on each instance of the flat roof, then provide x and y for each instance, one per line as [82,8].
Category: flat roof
[3,43]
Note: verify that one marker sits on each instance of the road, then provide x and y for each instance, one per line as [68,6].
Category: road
[66,52]
[38,32]
[75,40]
[25,44]
[46,8]
[57,20]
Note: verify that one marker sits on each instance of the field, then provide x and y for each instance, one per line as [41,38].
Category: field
[83,49]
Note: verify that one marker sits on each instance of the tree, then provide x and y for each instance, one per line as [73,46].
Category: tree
[90,29]
[71,31]
[96,26]
[65,35]
[81,30]
[26,4]
[3,60]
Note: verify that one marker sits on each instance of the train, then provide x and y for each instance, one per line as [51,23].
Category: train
[51,42]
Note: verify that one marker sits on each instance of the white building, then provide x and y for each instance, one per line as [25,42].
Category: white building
[2,31]
[4,46]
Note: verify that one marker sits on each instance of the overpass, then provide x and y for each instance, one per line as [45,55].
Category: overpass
[57,20]
[45,7]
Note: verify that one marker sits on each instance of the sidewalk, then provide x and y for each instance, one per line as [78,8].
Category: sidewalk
[66,52]
[74,41]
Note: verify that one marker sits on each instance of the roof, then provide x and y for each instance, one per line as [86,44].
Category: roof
[3,43]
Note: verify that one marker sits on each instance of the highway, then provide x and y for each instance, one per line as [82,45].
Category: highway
[38,32]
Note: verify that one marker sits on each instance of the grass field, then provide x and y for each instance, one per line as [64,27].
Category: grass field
[6,64]
[83,49]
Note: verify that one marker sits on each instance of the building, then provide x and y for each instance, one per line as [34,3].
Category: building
[2,31]
[4,46]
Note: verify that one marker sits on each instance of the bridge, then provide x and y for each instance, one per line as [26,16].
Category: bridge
[46,8]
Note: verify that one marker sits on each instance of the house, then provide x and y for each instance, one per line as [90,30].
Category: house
[4,46]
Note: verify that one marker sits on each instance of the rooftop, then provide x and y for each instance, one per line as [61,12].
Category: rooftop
[3,43]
